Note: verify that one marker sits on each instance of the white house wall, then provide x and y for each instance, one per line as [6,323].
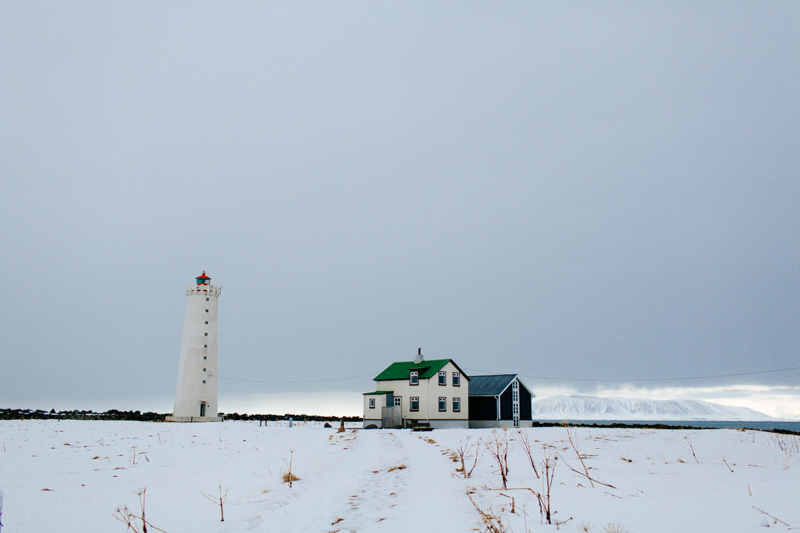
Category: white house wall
[428,392]
[373,415]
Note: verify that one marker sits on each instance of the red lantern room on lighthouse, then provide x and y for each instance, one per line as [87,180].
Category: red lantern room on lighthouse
[203,279]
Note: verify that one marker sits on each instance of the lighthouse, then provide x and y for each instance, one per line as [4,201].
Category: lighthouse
[196,393]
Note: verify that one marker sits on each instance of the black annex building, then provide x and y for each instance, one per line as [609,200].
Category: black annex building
[500,400]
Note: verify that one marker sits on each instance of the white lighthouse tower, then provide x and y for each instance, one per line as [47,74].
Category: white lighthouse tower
[196,393]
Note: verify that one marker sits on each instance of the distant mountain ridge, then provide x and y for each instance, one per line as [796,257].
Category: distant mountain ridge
[594,408]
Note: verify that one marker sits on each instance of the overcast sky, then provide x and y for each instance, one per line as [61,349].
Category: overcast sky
[606,193]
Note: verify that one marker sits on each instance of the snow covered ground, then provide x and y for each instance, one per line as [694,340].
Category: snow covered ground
[73,475]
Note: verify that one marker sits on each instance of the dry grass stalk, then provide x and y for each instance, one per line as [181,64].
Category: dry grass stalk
[131,520]
[493,523]
[580,457]
[726,464]
[790,446]
[585,472]
[692,448]
[776,521]
[464,453]
[133,457]
[522,437]
[548,467]
[559,524]
[497,444]
[219,501]
[548,473]
[289,477]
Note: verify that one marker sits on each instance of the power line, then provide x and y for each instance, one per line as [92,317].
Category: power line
[158,284]
[296,382]
[686,378]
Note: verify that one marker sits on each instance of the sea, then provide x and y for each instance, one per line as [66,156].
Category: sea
[764,425]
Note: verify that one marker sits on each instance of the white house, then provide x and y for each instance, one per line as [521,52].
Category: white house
[434,392]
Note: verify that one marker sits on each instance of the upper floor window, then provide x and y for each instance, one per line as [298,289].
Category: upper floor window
[456,405]
[442,403]
[456,379]
[413,377]
[414,403]
[442,378]
[372,403]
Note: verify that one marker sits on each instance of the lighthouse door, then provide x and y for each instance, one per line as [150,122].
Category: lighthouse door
[202,408]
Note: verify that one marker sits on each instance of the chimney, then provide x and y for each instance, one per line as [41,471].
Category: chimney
[418,358]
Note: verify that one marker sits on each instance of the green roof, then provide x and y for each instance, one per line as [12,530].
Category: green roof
[426,369]
[377,392]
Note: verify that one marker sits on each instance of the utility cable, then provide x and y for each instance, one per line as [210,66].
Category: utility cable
[297,382]
[686,378]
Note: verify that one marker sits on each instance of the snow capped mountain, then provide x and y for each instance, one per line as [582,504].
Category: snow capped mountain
[593,408]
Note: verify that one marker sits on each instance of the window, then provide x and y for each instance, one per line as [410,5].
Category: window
[456,379]
[205,346]
[442,403]
[414,403]
[442,378]
[204,381]
[205,357]
[372,403]
[398,401]
[413,377]
[206,334]
[204,370]
[456,405]
[515,402]
[206,310]
[206,299]
[206,321]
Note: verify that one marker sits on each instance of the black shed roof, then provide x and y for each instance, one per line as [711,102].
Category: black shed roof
[493,385]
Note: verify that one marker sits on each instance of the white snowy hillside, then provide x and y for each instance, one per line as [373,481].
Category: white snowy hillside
[593,408]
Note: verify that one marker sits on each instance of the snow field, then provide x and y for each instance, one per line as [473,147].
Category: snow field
[72,475]
[658,486]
